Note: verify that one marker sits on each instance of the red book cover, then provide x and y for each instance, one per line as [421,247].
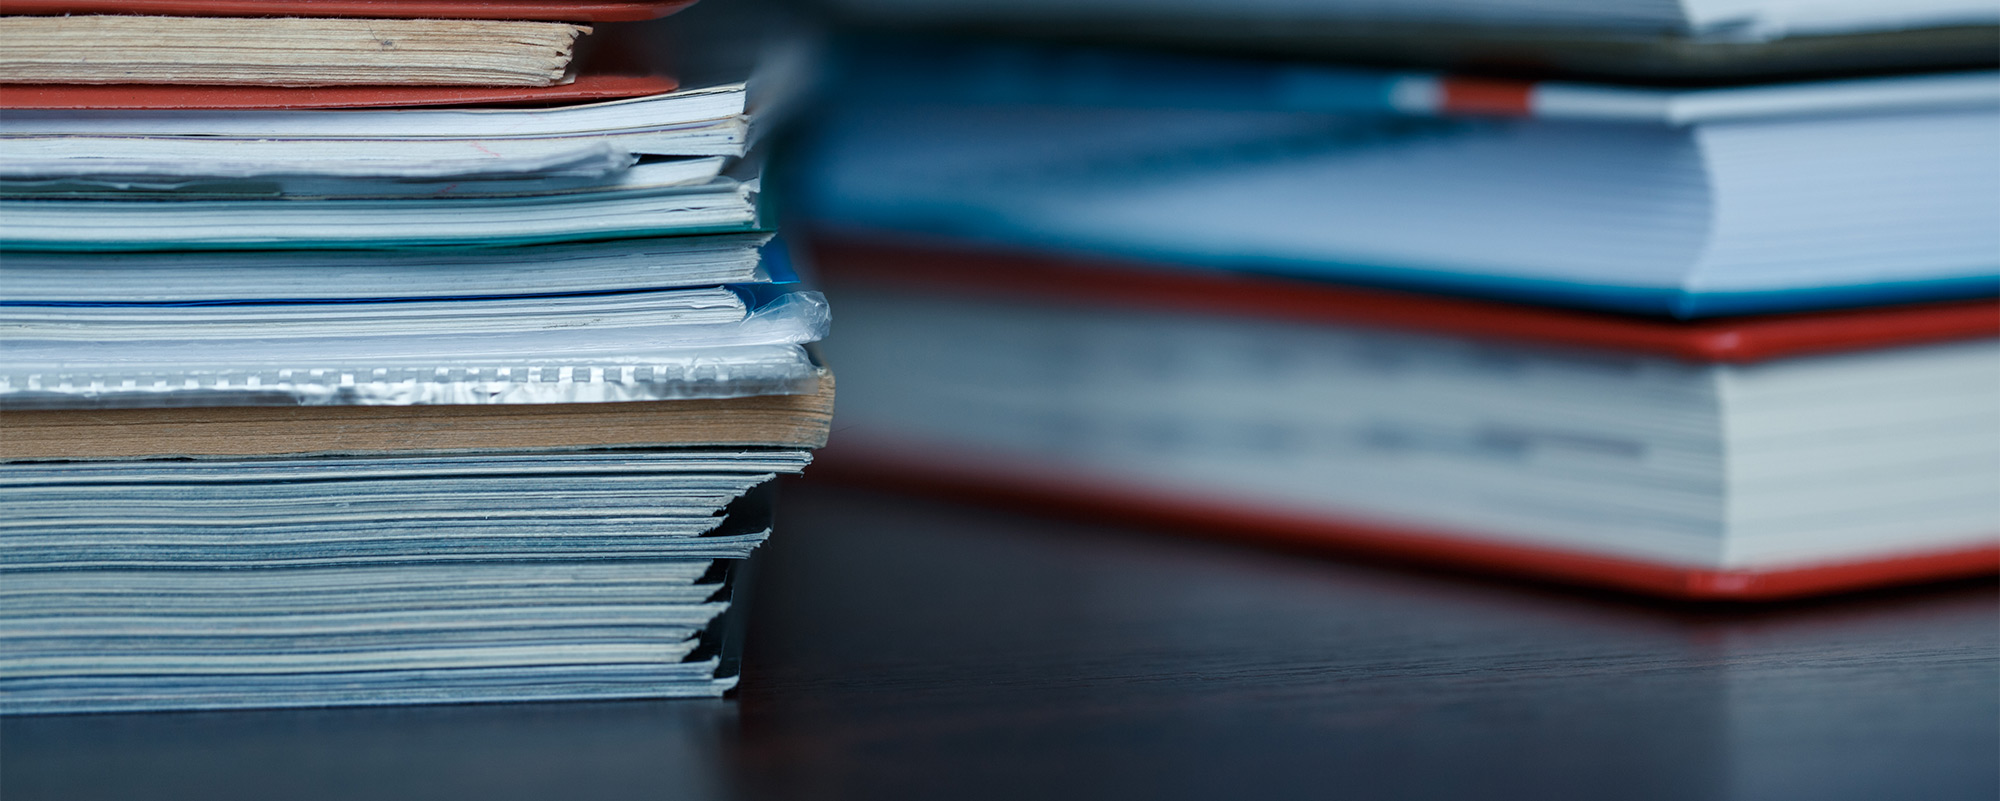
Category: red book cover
[587,87]
[1105,282]
[987,477]
[982,478]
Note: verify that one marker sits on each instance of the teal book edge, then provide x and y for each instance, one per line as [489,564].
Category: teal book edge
[377,244]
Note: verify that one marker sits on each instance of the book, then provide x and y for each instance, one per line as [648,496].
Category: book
[648,200]
[762,421]
[70,165]
[1753,20]
[234,583]
[1646,41]
[589,348]
[176,141]
[220,324]
[1741,459]
[585,86]
[547,10]
[720,101]
[324,61]
[983,74]
[1681,203]
[324,465]
[721,206]
[239,276]
[102,180]
[284,51]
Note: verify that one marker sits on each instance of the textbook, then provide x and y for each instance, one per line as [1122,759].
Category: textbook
[1746,458]
[1672,202]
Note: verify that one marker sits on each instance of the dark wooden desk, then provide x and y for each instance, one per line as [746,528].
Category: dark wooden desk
[908,648]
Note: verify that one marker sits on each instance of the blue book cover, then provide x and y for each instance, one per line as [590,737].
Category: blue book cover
[1683,203]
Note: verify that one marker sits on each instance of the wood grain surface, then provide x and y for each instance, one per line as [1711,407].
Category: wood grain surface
[909,648]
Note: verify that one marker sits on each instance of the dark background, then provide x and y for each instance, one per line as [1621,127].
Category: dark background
[903,647]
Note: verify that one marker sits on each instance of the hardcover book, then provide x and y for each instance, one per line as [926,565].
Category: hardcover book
[1746,459]
[1672,202]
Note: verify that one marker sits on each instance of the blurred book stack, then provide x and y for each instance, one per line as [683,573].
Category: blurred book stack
[386,353]
[1698,338]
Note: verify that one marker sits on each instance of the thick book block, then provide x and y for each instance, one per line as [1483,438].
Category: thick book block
[1746,459]
[557,10]
[286,51]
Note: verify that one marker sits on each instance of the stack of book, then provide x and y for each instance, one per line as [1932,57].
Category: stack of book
[1716,342]
[371,358]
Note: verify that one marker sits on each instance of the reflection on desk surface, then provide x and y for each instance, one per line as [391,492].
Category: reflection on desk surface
[903,647]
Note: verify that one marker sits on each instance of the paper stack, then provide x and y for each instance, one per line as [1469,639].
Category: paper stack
[1718,342]
[367,395]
